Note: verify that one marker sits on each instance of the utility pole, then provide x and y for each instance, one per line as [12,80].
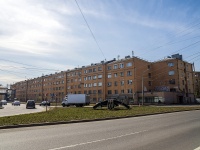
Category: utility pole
[26,90]
[143,86]
[42,86]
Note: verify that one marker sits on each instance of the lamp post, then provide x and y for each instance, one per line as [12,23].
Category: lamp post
[143,86]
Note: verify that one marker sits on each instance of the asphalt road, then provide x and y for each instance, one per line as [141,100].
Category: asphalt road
[174,131]
[10,110]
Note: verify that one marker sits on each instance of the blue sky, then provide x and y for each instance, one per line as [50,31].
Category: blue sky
[44,36]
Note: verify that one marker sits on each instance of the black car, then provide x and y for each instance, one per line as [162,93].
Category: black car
[44,103]
[30,104]
[0,104]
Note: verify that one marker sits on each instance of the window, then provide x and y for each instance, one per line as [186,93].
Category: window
[94,77]
[99,76]
[85,78]
[172,81]
[95,84]
[121,74]
[109,83]
[109,68]
[109,75]
[129,91]
[89,77]
[85,71]
[129,73]
[100,84]
[170,64]
[94,92]
[122,91]
[121,65]
[149,75]
[109,92]
[85,92]
[89,92]
[115,83]
[115,66]
[129,64]
[99,91]
[68,87]
[85,85]
[130,82]
[116,91]
[122,82]
[99,68]
[90,85]
[94,69]
[79,79]
[171,73]
[149,83]
[115,74]
[90,70]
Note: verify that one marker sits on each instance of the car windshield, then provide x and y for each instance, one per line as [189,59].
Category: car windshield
[31,102]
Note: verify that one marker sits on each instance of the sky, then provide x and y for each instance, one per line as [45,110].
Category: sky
[40,37]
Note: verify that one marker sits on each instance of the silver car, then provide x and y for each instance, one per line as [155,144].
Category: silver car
[4,102]
[16,103]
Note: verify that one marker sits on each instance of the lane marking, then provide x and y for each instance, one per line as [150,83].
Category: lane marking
[198,148]
[69,146]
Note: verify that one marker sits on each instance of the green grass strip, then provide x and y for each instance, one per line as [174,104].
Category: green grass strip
[73,113]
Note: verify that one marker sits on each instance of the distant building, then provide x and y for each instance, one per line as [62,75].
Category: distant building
[131,79]
[5,93]
[48,87]
[197,84]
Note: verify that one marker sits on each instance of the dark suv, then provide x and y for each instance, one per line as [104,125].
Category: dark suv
[30,104]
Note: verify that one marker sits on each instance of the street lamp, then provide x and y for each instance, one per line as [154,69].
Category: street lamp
[143,86]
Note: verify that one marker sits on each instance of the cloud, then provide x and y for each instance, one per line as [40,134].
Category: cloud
[29,28]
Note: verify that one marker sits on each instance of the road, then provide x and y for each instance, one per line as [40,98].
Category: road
[174,131]
[10,110]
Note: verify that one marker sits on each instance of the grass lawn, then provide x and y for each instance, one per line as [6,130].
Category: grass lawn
[73,113]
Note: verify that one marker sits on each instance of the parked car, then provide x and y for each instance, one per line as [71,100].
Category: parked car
[4,102]
[44,103]
[0,104]
[30,104]
[16,103]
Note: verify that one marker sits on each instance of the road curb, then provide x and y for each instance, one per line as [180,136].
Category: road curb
[86,120]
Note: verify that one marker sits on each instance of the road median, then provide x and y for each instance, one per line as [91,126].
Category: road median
[77,115]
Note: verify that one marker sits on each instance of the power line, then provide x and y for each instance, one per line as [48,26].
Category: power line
[177,35]
[37,68]
[90,29]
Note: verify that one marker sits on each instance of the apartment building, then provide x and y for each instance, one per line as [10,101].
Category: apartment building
[172,81]
[88,80]
[133,79]
[197,84]
[47,87]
